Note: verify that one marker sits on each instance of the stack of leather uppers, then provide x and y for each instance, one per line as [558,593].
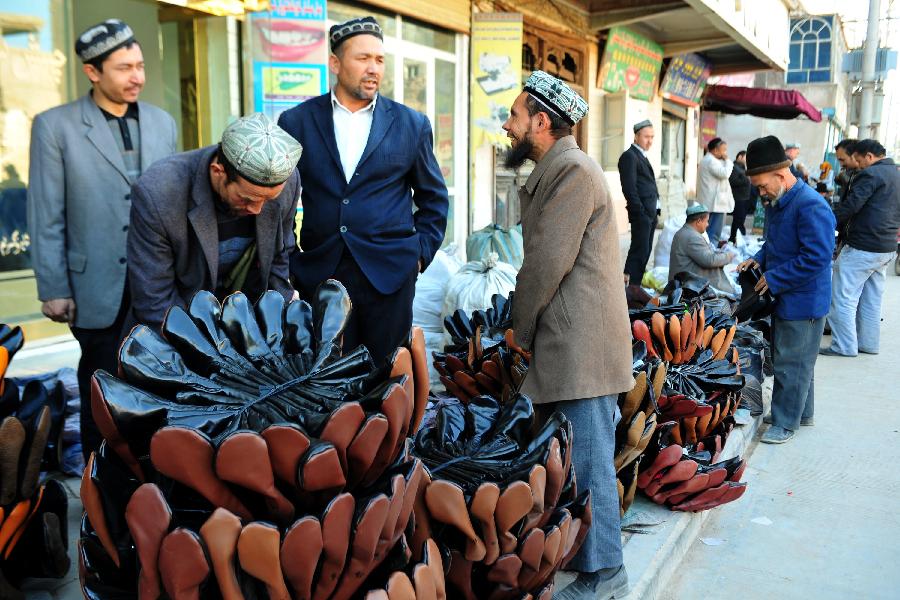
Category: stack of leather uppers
[677,418]
[33,515]
[247,455]
[501,493]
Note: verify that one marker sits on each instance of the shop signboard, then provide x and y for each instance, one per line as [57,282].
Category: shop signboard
[496,75]
[290,52]
[709,121]
[685,79]
[630,62]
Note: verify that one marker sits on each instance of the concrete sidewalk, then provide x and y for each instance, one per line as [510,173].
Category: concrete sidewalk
[820,517]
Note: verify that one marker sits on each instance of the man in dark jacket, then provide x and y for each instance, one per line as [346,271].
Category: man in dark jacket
[870,214]
[642,201]
[219,218]
[367,160]
[796,264]
[844,153]
[740,189]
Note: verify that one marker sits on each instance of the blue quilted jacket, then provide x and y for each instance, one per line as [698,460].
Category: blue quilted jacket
[796,256]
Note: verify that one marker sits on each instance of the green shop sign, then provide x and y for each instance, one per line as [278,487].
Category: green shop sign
[630,62]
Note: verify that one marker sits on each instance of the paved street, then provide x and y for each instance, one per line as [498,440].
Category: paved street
[830,495]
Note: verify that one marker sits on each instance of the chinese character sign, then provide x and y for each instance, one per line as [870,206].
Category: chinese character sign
[630,62]
[290,50]
[685,79]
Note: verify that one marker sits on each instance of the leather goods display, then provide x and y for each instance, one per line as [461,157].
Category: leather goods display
[481,357]
[500,496]
[676,419]
[753,305]
[247,454]
[32,514]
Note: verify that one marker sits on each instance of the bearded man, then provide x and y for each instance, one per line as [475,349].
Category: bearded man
[367,160]
[570,312]
[796,265]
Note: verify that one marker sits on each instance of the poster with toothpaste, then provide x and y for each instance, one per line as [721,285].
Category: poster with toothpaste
[290,54]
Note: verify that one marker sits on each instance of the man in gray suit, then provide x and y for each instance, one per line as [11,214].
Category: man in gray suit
[84,157]
[692,253]
[220,218]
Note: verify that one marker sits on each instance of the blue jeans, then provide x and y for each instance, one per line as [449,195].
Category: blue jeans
[857,287]
[714,230]
[795,347]
[593,445]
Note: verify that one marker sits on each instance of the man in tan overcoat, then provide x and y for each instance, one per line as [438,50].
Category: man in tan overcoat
[570,312]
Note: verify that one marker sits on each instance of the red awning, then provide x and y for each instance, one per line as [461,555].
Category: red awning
[759,102]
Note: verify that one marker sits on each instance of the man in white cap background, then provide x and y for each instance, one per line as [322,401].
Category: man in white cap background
[713,188]
[798,169]
[691,252]
[570,313]
[368,161]
[220,218]
[641,201]
[84,157]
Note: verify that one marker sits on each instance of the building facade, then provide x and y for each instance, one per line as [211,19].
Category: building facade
[817,45]
[631,59]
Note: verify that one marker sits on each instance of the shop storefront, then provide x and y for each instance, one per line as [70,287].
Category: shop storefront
[545,46]
[198,61]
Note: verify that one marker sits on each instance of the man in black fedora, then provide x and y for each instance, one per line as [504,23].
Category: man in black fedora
[797,270]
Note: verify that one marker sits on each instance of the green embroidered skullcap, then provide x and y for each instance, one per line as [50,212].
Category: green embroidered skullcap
[557,96]
[261,151]
[696,209]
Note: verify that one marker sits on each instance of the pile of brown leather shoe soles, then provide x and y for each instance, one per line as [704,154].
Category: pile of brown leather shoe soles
[495,371]
[32,515]
[688,478]
[247,454]
[500,497]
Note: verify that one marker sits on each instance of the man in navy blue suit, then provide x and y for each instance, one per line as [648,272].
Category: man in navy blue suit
[366,161]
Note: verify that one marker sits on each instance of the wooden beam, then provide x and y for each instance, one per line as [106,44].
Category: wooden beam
[676,48]
[624,16]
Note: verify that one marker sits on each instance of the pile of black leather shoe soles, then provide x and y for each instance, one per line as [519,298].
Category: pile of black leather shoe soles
[501,498]
[481,358]
[689,477]
[32,514]
[247,455]
[636,427]
[753,305]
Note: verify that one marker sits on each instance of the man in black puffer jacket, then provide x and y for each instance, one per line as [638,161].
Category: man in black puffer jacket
[870,218]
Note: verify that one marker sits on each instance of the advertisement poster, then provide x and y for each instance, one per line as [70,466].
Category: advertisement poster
[630,62]
[496,75]
[709,121]
[685,79]
[289,46]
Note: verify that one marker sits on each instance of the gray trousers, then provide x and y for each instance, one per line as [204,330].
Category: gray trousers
[594,432]
[795,347]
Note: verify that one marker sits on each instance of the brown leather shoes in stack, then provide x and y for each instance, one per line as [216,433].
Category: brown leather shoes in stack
[247,454]
[501,498]
[32,515]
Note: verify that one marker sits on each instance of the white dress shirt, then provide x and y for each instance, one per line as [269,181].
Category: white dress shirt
[351,132]
[647,156]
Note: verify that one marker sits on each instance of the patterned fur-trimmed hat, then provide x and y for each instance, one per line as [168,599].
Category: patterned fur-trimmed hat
[261,151]
[341,32]
[557,96]
[103,38]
